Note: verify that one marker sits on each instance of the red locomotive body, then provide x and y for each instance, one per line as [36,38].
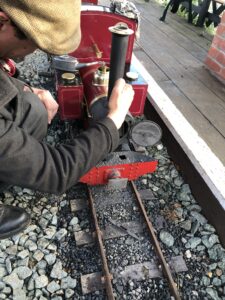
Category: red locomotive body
[96,46]
[83,81]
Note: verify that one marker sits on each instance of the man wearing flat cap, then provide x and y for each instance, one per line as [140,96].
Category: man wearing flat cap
[54,27]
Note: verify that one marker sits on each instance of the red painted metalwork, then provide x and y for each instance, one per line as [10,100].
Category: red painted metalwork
[96,46]
[101,175]
[70,102]
[8,65]
[70,98]
[137,107]
[90,1]
[92,91]
[96,38]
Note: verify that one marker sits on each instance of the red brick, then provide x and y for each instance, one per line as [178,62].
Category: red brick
[217,55]
[218,43]
[223,18]
[212,65]
[221,30]
[222,73]
[215,60]
[221,58]
[213,53]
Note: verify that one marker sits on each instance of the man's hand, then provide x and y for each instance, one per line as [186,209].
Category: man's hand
[46,98]
[120,102]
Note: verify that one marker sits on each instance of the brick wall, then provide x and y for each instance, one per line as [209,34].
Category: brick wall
[215,60]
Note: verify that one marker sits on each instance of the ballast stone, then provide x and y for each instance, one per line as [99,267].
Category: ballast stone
[166,238]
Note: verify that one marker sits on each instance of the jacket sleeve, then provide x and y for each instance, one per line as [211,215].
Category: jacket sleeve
[28,163]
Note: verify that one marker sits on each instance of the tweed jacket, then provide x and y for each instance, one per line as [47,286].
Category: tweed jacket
[27,162]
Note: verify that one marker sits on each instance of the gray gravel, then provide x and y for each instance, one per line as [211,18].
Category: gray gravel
[44,262]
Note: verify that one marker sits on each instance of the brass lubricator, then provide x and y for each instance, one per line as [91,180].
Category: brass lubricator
[101,76]
[69,78]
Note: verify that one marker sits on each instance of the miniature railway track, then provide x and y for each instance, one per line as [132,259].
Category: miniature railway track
[88,282]
[107,275]
[158,250]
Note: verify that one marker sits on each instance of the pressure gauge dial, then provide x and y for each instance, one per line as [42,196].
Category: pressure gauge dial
[146,133]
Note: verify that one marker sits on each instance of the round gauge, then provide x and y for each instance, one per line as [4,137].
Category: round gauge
[146,133]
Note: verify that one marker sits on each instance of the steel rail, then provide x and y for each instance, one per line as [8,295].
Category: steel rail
[158,250]
[107,275]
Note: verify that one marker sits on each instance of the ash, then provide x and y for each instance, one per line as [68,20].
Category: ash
[44,262]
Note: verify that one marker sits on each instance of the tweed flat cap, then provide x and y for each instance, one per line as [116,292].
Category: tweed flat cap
[54,25]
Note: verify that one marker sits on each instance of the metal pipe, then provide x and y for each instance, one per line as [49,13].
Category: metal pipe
[120,34]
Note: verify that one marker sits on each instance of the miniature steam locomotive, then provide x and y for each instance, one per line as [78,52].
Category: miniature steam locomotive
[84,81]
